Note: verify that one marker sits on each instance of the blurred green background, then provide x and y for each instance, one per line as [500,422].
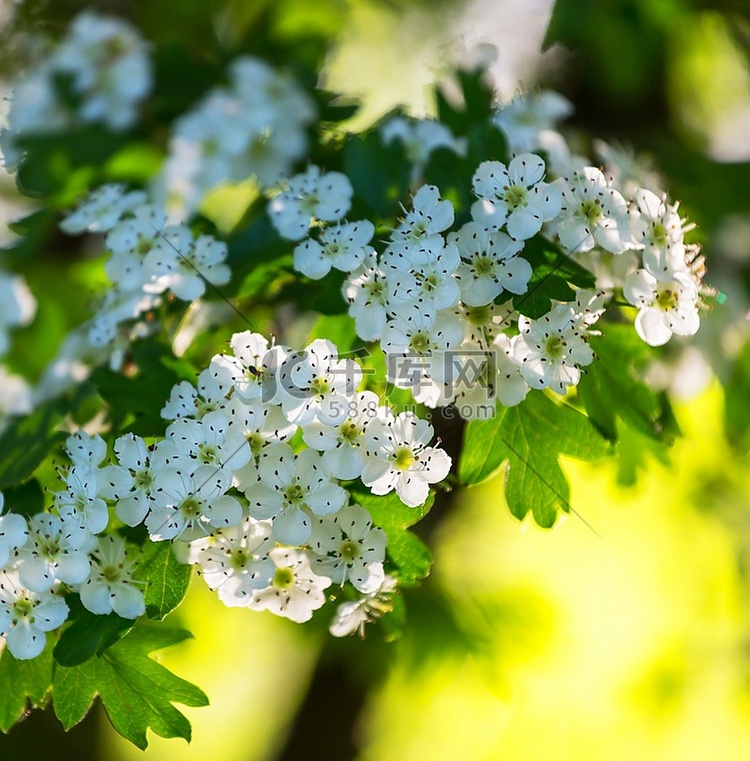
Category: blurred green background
[623,632]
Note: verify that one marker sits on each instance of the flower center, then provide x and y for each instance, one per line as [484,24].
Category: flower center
[207,453]
[349,432]
[191,508]
[309,204]
[554,347]
[659,236]
[334,248]
[144,479]
[478,315]
[349,550]
[238,559]
[592,210]
[111,572]
[256,442]
[294,494]
[143,246]
[320,386]
[484,265]
[49,547]
[23,608]
[283,578]
[667,297]
[515,196]
[404,458]
[420,343]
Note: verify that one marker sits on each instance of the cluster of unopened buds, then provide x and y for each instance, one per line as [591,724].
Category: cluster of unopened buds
[255,479]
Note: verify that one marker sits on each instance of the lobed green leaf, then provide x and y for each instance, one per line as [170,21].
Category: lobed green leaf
[136,691]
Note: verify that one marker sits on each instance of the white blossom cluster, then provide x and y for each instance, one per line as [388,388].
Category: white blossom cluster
[102,63]
[435,297]
[64,549]
[255,127]
[147,258]
[624,213]
[254,475]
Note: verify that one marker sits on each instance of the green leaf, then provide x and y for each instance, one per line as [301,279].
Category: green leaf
[405,549]
[552,273]
[26,499]
[136,691]
[534,303]
[531,437]
[338,328]
[610,389]
[88,634]
[483,448]
[477,106]
[24,685]
[167,580]
[27,442]
[144,394]
[267,278]
[379,173]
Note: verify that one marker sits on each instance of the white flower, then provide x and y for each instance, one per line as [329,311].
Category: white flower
[209,441]
[86,452]
[310,198]
[527,115]
[80,502]
[430,215]
[593,214]
[317,384]
[667,305]
[291,488]
[189,505]
[53,553]
[551,349]
[110,587]
[25,616]
[515,196]
[102,209]
[342,444]
[486,376]
[415,343]
[428,285]
[349,548]
[400,459]
[13,533]
[354,615]
[131,481]
[260,425]
[367,293]
[491,265]
[104,329]
[254,369]
[253,128]
[130,241]
[295,591]
[342,247]
[184,264]
[107,61]
[235,560]
[662,233]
